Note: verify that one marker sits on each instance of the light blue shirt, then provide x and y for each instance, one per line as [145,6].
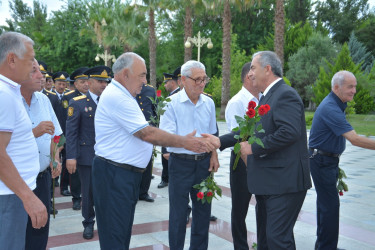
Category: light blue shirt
[40,109]
[118,117]
[182,116]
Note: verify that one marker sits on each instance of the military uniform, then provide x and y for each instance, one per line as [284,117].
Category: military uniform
[148,110]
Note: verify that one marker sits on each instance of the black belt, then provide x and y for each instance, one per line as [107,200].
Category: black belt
[197,157]
[318,151]
[41,174]
[123,165]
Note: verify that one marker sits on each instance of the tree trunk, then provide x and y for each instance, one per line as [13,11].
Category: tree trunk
[188,32]
[152,47]
[225,88]
[108,63]
[279,30]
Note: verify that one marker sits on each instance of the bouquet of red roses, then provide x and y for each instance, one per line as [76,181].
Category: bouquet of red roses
[58,141]
[248,126]
[208,189]
[341,185]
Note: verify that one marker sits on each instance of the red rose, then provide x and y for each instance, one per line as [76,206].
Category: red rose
[262,110]
[251,105]
[158,93]
[250,113]
[56,139]
[209,194]
[341,193]
[267,107]
[200,195]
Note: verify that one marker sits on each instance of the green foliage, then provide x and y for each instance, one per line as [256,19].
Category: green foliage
[364,102]
[305,64]
[343,61]
[366,33]
[350,109]
[359,54]
[341,17]
[297,10]
[208,189]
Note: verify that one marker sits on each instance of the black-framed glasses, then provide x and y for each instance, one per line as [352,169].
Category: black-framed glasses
[198,81]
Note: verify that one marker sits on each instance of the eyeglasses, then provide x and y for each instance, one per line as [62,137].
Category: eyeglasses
[199,80]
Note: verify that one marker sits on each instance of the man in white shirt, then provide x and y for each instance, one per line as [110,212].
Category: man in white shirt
[19,158]
[45,126]
[189,110]
[237,106]
[124,142]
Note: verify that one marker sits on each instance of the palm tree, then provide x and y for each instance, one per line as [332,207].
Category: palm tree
[188,27]
[279,30]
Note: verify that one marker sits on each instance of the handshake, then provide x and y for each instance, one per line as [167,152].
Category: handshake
[207,143]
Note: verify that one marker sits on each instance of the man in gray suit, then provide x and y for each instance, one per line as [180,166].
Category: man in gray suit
[277,174]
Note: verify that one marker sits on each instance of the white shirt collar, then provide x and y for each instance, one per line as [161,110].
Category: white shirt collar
[9,82]
[270,86]
[94,97]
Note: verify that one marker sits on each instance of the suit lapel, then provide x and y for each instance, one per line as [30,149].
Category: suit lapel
[265,99]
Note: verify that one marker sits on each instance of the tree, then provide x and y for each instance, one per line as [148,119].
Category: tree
[279,30]
[359,54]
[298,10]
[366,33]
[341,17]
[305,64]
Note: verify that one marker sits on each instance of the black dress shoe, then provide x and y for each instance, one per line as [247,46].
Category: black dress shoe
[76,205]
[146,198]
[88,232]
[57,184]
[51,210]
[162,184]
[188,214]
[213,218]
[65,192]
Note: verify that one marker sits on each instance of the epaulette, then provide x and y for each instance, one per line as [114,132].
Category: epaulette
[50,92]
[70,92]
[79,97]
[150,86]
[207,94]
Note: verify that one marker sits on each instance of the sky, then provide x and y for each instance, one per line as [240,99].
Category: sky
[53,5]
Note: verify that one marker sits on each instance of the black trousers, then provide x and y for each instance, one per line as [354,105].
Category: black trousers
[146,179]
[88,212]
[37,238]
[64,180]
[240,202]
[75,185]
[276,217]
[164,163]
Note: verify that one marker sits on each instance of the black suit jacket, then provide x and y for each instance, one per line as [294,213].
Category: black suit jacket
[282,166]
[80,131]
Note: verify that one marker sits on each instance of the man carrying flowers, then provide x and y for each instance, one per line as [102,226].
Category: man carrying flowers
[189,110]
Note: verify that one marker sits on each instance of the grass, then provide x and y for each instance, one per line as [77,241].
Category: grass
[362,124]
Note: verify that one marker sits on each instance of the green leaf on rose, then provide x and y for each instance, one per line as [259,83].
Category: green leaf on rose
[237,148]
[259,142]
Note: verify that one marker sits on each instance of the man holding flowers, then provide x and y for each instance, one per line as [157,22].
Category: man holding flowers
[277,171]
[189,110]
[238,106]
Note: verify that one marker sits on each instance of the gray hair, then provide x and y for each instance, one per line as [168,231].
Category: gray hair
[245,71]
[13,42]
[270,58]
[339,77]
[189,65]
[125,61]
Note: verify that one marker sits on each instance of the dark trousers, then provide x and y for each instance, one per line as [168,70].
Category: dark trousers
[324,172]
[164,173]
[276,216]
[88,211]
[75,186]
[240,202]
[116,192]
[146,179]
[64,180]
[37,238]
[183,174]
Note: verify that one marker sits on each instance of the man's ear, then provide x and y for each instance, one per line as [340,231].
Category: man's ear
[11,59]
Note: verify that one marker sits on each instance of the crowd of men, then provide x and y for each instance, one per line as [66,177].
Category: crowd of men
[106,162]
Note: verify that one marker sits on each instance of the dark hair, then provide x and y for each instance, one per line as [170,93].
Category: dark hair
[245,71]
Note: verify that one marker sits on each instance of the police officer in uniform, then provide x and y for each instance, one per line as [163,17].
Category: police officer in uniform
[148,110]
[51,95]
[171,85]
[80,140]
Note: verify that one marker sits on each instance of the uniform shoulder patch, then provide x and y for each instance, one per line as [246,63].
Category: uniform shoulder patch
[50,92]
[70,111]
[149,85]
[79,97]
[70,92]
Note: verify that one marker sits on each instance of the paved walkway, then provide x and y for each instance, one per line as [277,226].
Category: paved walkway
[150,230]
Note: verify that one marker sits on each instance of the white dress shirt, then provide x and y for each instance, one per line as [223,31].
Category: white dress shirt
[182,116]
[22,148]
[40,109]
[118,116]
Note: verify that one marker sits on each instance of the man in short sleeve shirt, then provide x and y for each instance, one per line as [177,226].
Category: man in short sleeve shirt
[328,135]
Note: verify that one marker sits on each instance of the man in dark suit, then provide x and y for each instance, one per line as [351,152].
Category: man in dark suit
[80,140]
[277,174]
[148,110]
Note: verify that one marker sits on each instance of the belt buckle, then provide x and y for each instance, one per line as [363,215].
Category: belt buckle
[196,157]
